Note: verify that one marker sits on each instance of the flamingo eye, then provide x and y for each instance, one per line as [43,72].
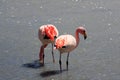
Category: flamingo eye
[83,31]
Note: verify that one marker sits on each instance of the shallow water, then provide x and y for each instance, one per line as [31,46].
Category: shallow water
[97,58]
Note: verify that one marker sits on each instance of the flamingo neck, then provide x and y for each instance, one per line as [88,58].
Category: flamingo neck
[77,37]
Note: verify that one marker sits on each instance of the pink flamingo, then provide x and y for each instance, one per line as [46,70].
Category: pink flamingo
[47,34]
[67,43]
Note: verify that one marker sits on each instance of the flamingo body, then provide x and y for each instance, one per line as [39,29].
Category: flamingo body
[46,34]
[69,43]
[47,30]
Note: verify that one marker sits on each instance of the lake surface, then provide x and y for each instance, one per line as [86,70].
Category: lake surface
[96,58]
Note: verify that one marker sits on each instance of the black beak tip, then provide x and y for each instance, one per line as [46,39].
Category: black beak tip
[85,37]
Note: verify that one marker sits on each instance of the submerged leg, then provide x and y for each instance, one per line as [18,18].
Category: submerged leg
[67,61]
[53,54]
[60,63]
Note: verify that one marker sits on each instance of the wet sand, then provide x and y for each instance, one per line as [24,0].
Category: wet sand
[96,58]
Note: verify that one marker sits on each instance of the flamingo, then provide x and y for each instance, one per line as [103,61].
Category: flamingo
[46,34]
[67,43]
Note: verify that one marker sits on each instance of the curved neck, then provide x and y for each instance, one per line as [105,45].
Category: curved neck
[77,37]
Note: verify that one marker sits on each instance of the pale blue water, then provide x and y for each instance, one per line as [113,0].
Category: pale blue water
[97,58]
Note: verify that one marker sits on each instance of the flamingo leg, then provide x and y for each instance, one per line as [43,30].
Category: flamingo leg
[41,54]
[53,54]
[67,61]
[60,63]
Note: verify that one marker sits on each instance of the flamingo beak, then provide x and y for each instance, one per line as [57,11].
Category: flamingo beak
[85,36]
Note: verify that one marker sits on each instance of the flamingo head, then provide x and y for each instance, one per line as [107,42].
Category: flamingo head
[82,30]
[51,32]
